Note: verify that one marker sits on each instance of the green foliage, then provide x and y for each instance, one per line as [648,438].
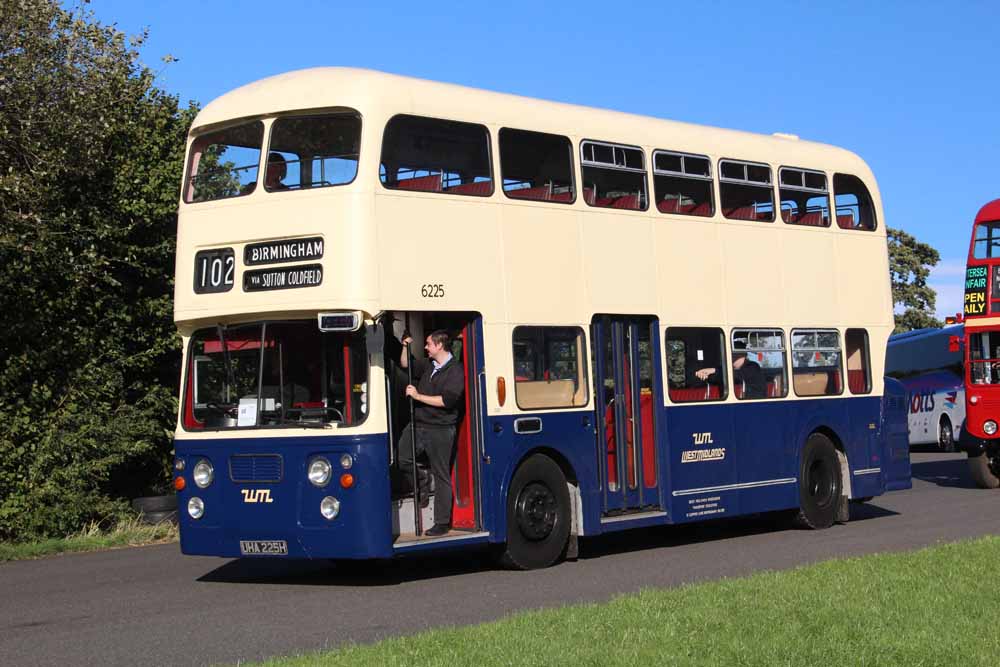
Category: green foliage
[90,157]
[910,264]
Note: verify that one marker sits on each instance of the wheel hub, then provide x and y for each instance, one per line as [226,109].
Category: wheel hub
[820,482]
[536,511]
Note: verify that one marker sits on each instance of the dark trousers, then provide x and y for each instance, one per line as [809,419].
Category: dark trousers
[438,442]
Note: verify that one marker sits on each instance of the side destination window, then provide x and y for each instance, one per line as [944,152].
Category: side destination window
[683,183]
[759,364]
[805,199]
[854,204]
[224,163]
[859,376]
[550,367]
[745,190]
[696,364]
[614,176]
[536,166]
[816,362]
[434,155]
[308,152]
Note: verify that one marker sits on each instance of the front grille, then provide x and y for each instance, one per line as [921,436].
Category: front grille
[255,468]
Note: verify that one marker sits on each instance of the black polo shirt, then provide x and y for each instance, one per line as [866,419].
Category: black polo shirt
[448,383]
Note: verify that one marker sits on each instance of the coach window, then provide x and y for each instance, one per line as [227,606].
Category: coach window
[550,368]
[816,362]
[762,373]
[614,176]
[854,205]
[805,199]
[434,155]
[537,166]
[683,183]
[696,364]
[745,191]
[313,152]
[859,376]
[224,163]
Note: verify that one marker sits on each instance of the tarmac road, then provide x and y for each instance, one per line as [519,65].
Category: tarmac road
[152,606]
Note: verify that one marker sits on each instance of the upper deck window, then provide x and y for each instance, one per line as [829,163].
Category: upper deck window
[745,190]
[535,165]
[312,152]
[614,176]
[683,183]
[805,199]
[224,163]
[854,204]
[434,155]
[986,244]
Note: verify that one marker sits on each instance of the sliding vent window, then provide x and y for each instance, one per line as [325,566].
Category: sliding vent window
[745,190]
[224,164]
[816,362]
[536,166]
[683,183]
[550,367]
[614,176]
[805,199]
[312,152]
[854,204]
[433,155]
[759,364]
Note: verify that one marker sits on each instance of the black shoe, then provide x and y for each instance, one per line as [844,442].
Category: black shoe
[438,529]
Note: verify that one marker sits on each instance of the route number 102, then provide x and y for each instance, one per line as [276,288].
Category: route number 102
[214,270]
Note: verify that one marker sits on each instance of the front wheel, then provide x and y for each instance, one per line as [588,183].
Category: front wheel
[946,436]
[982,472]
[819,483]
[538,515]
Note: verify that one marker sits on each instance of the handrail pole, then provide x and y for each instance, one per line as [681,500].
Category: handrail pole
[418,519]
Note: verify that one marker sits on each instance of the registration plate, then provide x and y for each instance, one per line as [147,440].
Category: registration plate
[263,547]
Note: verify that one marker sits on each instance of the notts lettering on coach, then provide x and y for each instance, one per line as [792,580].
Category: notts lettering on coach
[282,251]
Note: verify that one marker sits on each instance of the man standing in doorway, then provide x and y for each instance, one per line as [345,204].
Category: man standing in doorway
[440,383]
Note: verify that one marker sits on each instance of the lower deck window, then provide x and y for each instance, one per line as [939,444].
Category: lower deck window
[859,377]
[816,362]
[696,364]
[550,368]
[759,364]
[274,374]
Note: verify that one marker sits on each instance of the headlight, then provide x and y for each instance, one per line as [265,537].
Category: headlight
[989,427]
[329,507]
[346,461]
[203,473]
[196,507]
[319,471]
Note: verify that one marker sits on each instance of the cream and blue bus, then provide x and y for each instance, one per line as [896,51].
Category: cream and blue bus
[610,282]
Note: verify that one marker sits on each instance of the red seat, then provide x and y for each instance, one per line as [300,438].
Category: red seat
[478,188]
[630,202]
[539,194]
[308,404]
[814,219]
[702,209]
[561,196]
[846,221]
[588,195]
[688,394]
[667,206]
[857,381]
[603,201]
[742,213]
[430,183]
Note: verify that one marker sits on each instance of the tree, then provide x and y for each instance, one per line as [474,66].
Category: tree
[91,155]
[910,264]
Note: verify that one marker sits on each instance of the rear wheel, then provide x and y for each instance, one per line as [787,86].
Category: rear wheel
[538,515]
[983,472]
[819,483]
[946,436]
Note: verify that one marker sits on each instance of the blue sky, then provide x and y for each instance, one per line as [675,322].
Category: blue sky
[912,87]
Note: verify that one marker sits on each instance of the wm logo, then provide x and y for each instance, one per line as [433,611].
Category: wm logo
[702,438]
[256,495]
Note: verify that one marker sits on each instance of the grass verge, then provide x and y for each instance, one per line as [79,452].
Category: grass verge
[936,606]
[128,533]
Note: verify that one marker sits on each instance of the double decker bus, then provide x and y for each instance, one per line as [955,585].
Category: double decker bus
[931,368]
[982,348]
[658,322]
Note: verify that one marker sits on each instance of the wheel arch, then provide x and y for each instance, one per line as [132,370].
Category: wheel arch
[846,489]
[572,486]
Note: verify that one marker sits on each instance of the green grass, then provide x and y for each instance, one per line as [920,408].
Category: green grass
[937,606]
[128,533]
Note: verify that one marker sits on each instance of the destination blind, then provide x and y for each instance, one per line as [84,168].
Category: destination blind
[284,250]
[291,277]
[975,290]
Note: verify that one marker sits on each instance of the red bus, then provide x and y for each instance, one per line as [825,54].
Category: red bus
[980,436]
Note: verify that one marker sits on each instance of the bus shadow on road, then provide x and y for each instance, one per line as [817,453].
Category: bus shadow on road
[948,472]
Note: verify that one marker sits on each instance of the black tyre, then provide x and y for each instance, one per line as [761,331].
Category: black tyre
[946,435]
[156,518]
[538,515]
[155,503]
[819,483]
[982,472]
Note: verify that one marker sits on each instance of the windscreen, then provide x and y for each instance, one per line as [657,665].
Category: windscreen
[275,374]
[224,163]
